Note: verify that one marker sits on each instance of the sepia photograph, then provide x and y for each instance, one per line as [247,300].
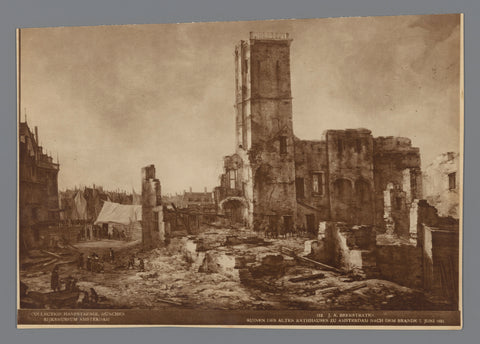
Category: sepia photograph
[295,173]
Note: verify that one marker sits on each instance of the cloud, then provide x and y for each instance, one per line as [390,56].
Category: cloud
[112,99]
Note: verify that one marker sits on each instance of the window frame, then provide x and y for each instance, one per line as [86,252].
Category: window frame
[283,144]
[452,176]
[320,175]
[233,173]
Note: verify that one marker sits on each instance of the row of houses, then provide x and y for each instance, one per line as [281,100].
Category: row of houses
[85,204]
[38,187]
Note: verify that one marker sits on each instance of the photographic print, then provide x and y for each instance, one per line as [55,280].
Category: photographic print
[280,173]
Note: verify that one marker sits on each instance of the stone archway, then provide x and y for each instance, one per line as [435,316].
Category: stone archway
[235,209]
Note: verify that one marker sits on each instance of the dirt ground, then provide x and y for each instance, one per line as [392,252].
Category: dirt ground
[218,269]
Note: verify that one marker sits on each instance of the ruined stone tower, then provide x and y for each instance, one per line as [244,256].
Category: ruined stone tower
[264,133]
[153,231]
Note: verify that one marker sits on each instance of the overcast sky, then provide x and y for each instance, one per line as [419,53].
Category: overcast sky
[112,99]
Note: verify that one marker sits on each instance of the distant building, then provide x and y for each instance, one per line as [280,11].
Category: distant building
[347,175]
[94,197]
[441,182]
[197,198]
[38,188]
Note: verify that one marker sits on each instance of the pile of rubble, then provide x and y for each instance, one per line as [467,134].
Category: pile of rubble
[226,269]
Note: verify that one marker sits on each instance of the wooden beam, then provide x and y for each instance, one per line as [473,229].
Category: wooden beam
[323,266]
[52,254]
[307,278]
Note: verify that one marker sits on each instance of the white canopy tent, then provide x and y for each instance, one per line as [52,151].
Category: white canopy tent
[123,217]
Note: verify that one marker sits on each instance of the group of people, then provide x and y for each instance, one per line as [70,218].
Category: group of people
[94,232]
[93,262]
[56,282]
[131,263]
[71,285]
[89,298]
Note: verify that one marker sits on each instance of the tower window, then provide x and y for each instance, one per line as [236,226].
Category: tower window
[358,145]
[452,181]
[413,184]
[257,74]
[340,146]
[283,145]
[233,178]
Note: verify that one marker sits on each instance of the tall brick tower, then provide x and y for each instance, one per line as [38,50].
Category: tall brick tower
[264,132]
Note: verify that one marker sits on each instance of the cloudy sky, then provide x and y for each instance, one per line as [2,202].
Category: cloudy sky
[112,99]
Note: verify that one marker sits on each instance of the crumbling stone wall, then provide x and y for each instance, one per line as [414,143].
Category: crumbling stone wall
[350,175]
[397,171]
[355,168]
[153,230]
[346,245]
[442,184]
[311,175]
[234,195]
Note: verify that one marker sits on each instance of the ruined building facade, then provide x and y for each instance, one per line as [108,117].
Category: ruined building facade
[441,181]
[347,175]
[38,188]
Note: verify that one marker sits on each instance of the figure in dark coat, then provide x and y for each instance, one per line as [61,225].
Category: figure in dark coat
[68,283]
[93,295]
[131,262]
[80,261]
[89,263]
[86,299]
[55,279]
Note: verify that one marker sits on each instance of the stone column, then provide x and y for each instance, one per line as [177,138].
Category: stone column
[153,231]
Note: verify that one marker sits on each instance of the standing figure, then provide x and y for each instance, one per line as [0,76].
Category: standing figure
[112,255]
[141,264]
[68,283]
[95,262]
[131,262]
[55,279]
[86,299]
[73,286]
[80,261]
[93,295]
[89,263]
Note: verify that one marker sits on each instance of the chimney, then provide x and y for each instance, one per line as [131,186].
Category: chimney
[205,189]
[190,189]
[36,134]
